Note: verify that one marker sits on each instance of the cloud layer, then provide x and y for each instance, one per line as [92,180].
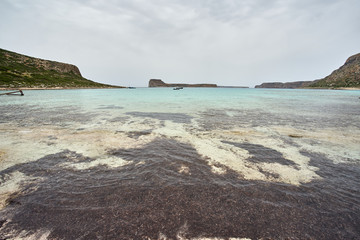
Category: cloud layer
[228,42]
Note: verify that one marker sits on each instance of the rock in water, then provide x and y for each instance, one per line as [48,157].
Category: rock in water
[160,83]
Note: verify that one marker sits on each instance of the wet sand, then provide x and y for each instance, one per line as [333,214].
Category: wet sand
[150,197]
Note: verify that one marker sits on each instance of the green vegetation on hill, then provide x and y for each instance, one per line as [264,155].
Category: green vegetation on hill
[347,76]
[20,71]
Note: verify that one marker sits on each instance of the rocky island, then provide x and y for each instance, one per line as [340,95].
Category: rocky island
[347,76]
[160,83]
[20,71]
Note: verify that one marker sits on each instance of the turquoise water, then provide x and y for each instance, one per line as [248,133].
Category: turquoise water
[157,163]
[195,100]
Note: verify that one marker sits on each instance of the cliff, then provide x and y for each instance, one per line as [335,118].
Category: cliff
[347,76]
[20,71]
[160,83]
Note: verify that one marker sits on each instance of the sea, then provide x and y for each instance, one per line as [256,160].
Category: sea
[196,163]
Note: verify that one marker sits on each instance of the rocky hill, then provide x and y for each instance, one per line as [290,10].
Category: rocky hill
[20,71]
[160,83]
[347,76]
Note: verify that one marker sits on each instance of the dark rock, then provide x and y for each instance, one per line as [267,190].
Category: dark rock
[156,83]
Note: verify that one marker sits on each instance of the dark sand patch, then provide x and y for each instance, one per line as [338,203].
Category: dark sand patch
[152,198]
[262,154]
[174,117]
[113,107]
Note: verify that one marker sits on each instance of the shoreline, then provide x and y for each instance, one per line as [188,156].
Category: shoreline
[74,88]
[347,88]
[317,88]
[339,88]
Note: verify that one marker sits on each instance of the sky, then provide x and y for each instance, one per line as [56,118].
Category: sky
[226,42]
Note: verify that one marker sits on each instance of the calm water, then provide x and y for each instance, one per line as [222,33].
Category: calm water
[191,164]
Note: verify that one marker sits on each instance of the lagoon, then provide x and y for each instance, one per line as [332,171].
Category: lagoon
[198,163]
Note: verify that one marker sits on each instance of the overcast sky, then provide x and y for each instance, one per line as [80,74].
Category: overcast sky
[227,42]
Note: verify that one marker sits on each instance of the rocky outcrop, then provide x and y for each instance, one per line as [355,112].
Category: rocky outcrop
[156,83]
[299,84]
[347,76]
[57,66]
[41,64]
[160,83]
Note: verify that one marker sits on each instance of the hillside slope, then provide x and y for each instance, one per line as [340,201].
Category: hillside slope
[299,84]
[347,76]
[20,71]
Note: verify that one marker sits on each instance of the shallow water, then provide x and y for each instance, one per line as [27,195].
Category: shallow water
[190,164]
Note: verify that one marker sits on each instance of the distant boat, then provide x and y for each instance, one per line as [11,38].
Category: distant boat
[177,88]
[131,87]
[17,92]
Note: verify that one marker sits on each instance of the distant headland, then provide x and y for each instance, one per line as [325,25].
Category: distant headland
[160,83]
[20,71]
[345,77]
